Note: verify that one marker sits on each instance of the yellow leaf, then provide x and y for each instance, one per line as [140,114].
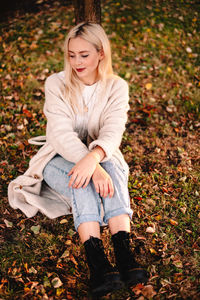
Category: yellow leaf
[128,75]
[63,221]
[26,267]
[26,290]
[59,291]
[65,254]
[148,86]
[153,251]
[158,217]
[169,69]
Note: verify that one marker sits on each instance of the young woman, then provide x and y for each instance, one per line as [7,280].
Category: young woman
[80,165]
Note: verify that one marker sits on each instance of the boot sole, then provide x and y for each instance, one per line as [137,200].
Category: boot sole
[107,287]
[136,276]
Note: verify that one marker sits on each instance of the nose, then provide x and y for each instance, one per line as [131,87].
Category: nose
[78,61]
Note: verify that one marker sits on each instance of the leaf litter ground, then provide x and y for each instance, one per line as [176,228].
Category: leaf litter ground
[156,49]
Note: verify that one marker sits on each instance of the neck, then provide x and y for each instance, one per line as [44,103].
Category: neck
[90,81]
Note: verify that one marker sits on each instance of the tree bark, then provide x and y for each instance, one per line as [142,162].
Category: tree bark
[87,10]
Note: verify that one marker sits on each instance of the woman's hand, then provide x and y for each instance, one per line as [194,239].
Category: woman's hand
[82,172]
[102,182]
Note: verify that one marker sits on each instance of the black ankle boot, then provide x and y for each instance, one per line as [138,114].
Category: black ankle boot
[131,272]
[103,277]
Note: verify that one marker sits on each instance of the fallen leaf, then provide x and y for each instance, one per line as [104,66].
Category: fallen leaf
[68,242]
[153,251]
[151,202]
[178,263]
[178,277]
[59,291]
[65,254]
[183,209]
[150,230]
[127,75]
[137,289]
[8,223]
[189,50]
[173,222]
[71,232]
[35,229]
[148,86]
[56,282]
[32,270]
[138,198]
[63,221]
[148,291]
[158,217]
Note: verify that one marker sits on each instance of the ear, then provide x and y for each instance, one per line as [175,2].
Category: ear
[101,54]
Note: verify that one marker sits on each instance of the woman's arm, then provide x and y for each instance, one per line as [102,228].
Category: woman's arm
[89,167]
[113,119]
[83,170]
[60,130]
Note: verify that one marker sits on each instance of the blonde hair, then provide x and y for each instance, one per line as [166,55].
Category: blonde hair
[94,34]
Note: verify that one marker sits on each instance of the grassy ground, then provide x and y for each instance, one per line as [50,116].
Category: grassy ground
[156,49]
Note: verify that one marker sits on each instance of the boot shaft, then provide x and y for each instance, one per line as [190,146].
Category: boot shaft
[123,253]
[131,272]
[96,257]
[121,242]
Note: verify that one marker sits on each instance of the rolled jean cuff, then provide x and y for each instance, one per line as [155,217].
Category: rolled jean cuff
[118,212]
[87,218]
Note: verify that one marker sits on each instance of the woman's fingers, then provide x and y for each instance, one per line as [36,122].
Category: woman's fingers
[72,179]
[104,187]
[102,190]
[111,189]
[79,182]
[87,180]
[97,188]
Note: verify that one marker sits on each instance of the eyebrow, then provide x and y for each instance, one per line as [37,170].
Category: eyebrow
[80,51]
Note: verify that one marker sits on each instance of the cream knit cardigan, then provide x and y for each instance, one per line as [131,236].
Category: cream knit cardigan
[106,125]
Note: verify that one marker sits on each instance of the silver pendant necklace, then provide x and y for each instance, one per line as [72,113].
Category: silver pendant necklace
[85,104]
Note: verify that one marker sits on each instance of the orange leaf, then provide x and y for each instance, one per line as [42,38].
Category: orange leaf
[173,222]
[137,289]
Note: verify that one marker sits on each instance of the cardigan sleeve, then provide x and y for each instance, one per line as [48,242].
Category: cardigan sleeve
[113,119]
[60,132]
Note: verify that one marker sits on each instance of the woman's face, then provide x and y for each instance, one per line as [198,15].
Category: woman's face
[84,59]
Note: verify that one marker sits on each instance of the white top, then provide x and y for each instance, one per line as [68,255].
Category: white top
[88,100]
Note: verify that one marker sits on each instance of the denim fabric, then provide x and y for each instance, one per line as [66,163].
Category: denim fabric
[86,203]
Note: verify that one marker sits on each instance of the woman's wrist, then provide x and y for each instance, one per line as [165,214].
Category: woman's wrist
[98,153]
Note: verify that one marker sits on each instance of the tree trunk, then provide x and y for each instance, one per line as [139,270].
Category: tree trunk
[87,10]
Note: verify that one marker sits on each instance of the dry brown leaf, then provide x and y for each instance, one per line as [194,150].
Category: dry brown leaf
[148,291]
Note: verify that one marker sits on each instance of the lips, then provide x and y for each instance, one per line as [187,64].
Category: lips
[80,69]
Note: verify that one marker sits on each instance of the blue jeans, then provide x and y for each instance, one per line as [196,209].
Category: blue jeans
[86,203]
